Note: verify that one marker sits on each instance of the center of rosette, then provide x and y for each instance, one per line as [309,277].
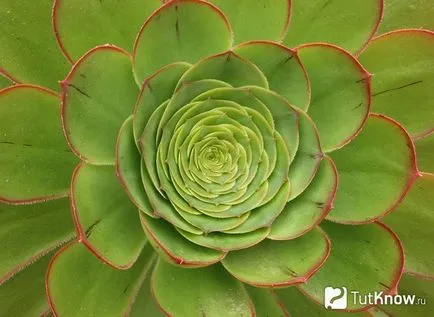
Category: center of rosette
[216,157]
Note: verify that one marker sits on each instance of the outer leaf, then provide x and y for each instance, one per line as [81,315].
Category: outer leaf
[127,165]
[212,292]
[174,248]
[372,260]
[403,82]
[145,304]
[298,304]
[341,22]
[35,162]
[79,285]
[96,99]
[28,232]
[413,221]
[24,295]
[176,33]
[423,291]
[376,171]
[407,14]
[279,263]
[341,93]
[282,68]
[106,220]
[425,153]
[257,20]
[80,25]
[29,53]
[266,302]
[310,208]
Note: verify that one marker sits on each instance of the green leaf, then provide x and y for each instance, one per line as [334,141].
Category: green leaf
[156,90]
[425,153]
[162,207]
[413,221]
[176,33]
[29,53]
[227,242]
[24,294]
[407,14]
[5,82]
[127,165]
[209,223]
[310,208]
[28,232]
[209,291]
[375,171]
[308,157]
[266,302]
[300,305]
[149,138]
[145,304]
[80,25]
[423,290]
[345,23]
[282,68]
[174,248]
[80,285]
[279,263]
[370,260]
[35,162]
[341,94]
[96,100]
[403,84]
[265,215]
[226,67]
[107,221]
[257,20]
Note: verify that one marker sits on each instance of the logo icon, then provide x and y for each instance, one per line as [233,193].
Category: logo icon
[335,297]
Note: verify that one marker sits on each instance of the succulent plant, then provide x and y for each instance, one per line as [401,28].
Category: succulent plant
[215,158]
